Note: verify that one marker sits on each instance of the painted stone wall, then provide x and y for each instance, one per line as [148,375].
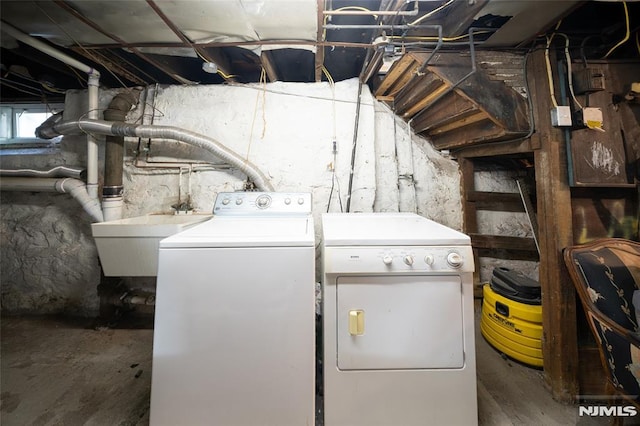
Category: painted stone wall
[48,258]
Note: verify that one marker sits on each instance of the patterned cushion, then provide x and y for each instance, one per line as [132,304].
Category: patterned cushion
[612,275]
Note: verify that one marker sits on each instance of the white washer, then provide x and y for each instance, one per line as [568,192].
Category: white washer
[399,345]
[235,316]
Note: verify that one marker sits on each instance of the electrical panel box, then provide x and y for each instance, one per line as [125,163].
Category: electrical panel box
[589,117]
[588,80]
[561,116]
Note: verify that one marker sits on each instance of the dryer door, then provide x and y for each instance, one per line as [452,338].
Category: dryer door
[399,322]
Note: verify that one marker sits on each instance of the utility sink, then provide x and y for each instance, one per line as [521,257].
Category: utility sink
[129,247]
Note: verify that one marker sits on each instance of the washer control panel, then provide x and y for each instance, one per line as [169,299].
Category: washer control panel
[398,259]
[259,203]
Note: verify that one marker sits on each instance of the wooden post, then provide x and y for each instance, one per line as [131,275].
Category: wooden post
[559,340]
[470,219]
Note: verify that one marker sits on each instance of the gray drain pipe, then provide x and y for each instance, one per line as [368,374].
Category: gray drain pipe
[74,187]
[53,127]
[112,190]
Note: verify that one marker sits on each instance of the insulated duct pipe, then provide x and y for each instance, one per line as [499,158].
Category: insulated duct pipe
[50,129]
[73,187]
[92,83]
[112,189]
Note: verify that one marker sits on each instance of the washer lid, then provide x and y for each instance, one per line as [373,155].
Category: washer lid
[246,232]
[387,229]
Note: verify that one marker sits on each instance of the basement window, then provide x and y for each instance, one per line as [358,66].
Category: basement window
[18,123]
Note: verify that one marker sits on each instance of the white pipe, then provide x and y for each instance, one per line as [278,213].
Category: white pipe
[50,130]
[93,83]
[112,208]
[49,50]
[56,172]
[73,187]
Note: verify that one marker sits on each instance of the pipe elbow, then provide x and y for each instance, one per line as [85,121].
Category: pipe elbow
[119,106]
[46,130]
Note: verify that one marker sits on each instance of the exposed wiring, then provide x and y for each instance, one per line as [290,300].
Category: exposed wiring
[78,44]
[219,71]
[329,77]
[434,38]
[549,75]
[335,182]
[569,72]
[28,92]
[429,14]
[626,36]
[548,63]
[263,81]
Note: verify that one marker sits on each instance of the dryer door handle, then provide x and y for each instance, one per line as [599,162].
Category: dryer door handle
[356,322]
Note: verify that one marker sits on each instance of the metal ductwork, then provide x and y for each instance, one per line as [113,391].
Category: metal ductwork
[50,129]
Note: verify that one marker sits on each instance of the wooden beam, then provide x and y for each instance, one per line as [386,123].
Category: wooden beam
[162,67]
[559,340]
[496,201]
[460,121]
[400,73]
[319,59]
[494,149]
[426,101]
[502,242]
[469,215]
[267,63]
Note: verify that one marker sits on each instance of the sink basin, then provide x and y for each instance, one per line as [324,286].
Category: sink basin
[129,247]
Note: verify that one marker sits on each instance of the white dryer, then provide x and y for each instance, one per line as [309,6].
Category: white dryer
[399,344]
[235,316]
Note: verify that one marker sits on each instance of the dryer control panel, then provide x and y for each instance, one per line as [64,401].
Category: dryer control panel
[398,259]
[262,203]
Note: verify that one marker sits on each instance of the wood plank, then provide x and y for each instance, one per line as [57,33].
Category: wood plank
[599,157]
[503,104]
[415,90]
[494,149]
[484,131]
[503,242]
[269,65]
[450,105]
[320,35]
[508,254]
[465,120]
[398,75]
[496,201]
[426,101]
[430,124]
[559,342]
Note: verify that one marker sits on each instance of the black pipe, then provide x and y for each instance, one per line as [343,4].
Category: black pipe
[117,111]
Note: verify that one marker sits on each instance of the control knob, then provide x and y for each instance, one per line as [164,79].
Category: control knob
[387,260]
[263,201]
[454,260]
[428,259]
[408,259]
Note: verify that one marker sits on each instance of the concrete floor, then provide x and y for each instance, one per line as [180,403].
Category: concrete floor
[65,372]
